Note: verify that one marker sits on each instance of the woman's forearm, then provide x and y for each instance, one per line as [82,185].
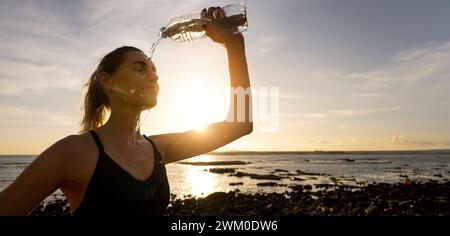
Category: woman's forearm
[240,108]
[237,64]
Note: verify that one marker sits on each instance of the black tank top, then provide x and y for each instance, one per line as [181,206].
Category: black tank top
[114,191]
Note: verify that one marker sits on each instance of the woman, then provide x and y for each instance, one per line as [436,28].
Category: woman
[110,168]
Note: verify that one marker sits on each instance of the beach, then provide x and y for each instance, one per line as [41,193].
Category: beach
[278,184]
[402,199]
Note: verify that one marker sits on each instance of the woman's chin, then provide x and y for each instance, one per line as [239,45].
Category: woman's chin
[150,104]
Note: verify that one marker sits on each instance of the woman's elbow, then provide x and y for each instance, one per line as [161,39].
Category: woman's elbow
[247,128]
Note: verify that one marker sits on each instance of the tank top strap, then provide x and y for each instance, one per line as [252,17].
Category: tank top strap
[158,154]
[97,141]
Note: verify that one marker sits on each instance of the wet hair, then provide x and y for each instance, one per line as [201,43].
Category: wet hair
[96,102]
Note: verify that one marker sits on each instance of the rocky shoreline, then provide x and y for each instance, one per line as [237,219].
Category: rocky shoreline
[431,198]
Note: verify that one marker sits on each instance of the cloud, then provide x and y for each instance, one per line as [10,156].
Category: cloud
[351,112]
[424,66]
[26,115]
[49,48]
[404,139]
[344,113]
[266,45]
[293,96]
[47,44]
[325,142]
[19,77]
[136,16]
[425,51]
[367,95]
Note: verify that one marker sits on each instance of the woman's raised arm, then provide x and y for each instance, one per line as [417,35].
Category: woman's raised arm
[179,146]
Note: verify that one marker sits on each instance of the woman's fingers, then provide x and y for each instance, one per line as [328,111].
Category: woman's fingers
[210,12]
[204,13]
[217,12]
[213,13]
[221,12]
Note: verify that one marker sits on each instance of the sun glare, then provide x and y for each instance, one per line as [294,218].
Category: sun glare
[197,105]
[201,128]
[201,182]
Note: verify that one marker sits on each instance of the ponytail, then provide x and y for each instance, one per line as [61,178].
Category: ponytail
[96,104]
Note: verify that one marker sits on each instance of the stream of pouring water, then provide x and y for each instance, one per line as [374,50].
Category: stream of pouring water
[155,43]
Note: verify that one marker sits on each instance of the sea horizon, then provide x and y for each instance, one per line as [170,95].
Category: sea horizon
[250,152]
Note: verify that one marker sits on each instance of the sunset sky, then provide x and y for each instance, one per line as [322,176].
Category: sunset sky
[352,74]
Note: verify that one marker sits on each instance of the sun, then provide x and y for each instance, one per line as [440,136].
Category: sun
[196,107]
[201,128]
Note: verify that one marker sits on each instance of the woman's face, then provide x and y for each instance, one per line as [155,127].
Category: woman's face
[135,82]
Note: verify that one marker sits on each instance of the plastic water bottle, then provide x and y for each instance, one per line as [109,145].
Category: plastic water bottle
[188,27]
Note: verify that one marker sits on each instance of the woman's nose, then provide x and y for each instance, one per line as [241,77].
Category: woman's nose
[153,77]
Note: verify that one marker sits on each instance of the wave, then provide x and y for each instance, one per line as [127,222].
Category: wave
[6,180]
[13,165]
[215,163]
[348,160]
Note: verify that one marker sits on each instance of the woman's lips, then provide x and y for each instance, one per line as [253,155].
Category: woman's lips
[154,87]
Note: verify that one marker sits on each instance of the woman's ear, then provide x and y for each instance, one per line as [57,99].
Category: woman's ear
[105,81]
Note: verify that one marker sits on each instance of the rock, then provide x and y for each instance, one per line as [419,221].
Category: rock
[326,186]
[300,172]
[237,183]
[256,176]
[216,198]
[269,177]
[280,170]
[267,184]
[238,174]
[307,187]
[297,179]
[53,209]
[287,174]
[298,188]
[371,209]
[222,170]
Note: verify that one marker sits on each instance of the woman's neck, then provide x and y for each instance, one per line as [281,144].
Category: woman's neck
[123,126]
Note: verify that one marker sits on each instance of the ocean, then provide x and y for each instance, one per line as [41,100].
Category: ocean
[193,179]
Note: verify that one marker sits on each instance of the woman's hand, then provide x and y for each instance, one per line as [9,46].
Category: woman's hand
[213,29]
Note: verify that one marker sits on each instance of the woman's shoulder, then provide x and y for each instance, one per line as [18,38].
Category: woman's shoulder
[76,147]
